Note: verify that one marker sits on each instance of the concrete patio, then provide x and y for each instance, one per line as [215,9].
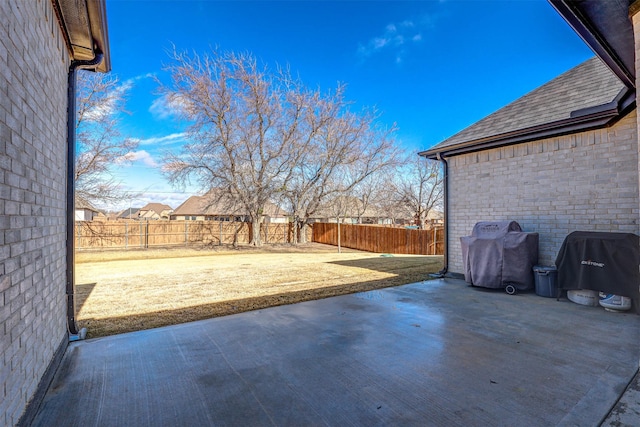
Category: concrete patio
[436,353]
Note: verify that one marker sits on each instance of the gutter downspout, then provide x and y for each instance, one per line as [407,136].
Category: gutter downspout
[74,334]
[445,169]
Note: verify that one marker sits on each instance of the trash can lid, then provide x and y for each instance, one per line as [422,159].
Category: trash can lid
[543,268]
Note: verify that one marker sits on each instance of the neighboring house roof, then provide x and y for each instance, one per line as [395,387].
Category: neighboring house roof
[207,205]
[272,210]
[585,97]
[435,215]
[348,207]
[156,207]
[82,203]
[211,204]
[84,26]
[190,206]
[129,213]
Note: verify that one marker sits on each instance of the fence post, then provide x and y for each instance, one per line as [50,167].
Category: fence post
[435,239]
[126,234]
[186,232]
[407,237]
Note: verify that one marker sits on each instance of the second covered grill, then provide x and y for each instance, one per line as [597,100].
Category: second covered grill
[500,255]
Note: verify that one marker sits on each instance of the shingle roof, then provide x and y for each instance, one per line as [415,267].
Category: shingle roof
[273,210]
[203,205]
[156,207]
[348,206]
[589,91]
[129,213]
[210,204]
[82,203]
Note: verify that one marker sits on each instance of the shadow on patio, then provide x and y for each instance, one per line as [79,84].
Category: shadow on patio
[402,270]
[141,321]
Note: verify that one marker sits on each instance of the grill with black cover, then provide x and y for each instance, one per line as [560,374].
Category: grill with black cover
[606,262]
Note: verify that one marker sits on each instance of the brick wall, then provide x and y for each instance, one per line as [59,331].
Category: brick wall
[635,19]
[33,72]
[585,181]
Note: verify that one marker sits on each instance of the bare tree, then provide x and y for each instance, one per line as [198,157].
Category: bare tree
[387,202]
[353,201]
[347,151]
[370,195]
[245,120]
[340,207]
[100,98]
[420,188]
[261,135]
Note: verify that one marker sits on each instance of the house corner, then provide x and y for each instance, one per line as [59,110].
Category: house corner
[634,15]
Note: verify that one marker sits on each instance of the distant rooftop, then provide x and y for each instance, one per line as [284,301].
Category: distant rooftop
[215,202]
[156,207]
[129,213]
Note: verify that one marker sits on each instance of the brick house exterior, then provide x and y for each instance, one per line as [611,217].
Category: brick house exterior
[35,55]
[155,211]
[553,186]
[565,157]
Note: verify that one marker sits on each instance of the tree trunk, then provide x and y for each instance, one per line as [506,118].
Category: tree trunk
[294,238]
[255,232]
[302,232]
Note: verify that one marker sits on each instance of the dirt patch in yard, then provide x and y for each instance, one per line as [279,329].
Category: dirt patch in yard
[120,292]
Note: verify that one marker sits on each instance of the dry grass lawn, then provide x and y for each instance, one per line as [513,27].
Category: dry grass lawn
[133,290]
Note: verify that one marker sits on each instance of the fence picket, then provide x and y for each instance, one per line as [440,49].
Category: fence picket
[119,234]
[123,234]
[380,239]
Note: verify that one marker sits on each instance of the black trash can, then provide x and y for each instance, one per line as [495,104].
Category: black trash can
[546,279]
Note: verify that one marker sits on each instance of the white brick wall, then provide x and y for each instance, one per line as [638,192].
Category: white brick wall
[585,181]
[33,104]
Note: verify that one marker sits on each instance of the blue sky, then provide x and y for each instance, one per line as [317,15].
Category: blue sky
[432,67]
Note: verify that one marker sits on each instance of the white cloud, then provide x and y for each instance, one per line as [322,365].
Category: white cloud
[101,111]
[110,104]
[167,106]
[141,156]
[396,37]
[163,140]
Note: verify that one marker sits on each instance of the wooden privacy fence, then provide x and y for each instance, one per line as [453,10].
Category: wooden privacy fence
[381,239]
[147,234]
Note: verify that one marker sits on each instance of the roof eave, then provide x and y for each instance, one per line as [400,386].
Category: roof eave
[577,16]
[84,24]
[580,121]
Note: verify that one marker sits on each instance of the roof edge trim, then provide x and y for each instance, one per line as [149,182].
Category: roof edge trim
[604,108]
[85,31]
[586,119]
[97,10]
[593,39]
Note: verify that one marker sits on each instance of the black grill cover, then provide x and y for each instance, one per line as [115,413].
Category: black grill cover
[499,253]
[606,262]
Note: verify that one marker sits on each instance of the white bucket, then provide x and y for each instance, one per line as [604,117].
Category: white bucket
[583,297]
[612,302]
